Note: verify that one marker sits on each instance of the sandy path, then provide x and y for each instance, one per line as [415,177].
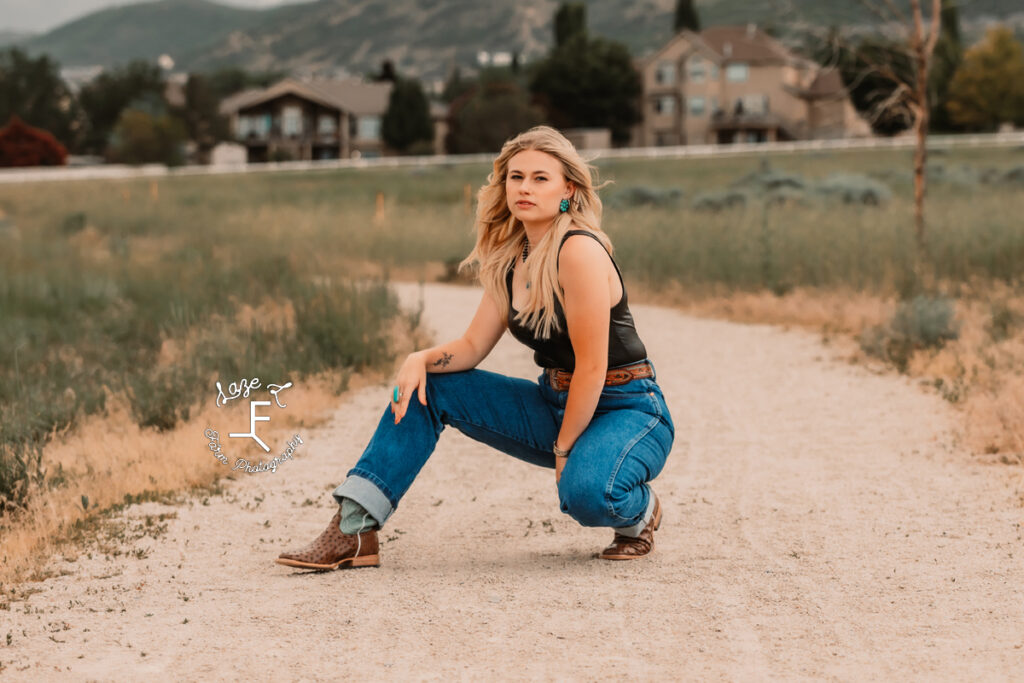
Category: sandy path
[821,522]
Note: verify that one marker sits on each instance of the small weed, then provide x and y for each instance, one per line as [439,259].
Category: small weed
[1004,321]
[953,391]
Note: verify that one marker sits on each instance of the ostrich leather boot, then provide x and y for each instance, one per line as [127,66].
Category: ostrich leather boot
[333,549]
[631,547]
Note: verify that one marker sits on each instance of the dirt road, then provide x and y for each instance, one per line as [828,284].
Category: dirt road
[820,522]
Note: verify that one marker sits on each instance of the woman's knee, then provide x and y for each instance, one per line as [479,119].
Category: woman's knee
[587,504]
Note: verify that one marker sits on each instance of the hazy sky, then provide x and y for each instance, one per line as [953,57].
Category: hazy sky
[43,15]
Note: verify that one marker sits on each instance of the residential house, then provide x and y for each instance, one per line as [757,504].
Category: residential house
[738,84]
[314,119]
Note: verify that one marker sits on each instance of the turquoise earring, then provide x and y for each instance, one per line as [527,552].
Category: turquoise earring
[563,206]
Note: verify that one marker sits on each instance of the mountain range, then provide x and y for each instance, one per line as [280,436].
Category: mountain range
[424,38]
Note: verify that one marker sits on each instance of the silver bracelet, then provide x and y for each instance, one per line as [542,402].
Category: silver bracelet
[559,453]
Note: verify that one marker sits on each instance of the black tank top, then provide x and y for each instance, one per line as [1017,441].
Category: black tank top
[624,345]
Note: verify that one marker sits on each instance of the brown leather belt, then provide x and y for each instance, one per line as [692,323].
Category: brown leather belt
[559,379]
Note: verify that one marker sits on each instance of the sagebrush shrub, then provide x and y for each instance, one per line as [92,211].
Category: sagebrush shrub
[924,322]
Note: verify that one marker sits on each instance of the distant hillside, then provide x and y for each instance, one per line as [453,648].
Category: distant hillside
[424,38]
[145,31]
[13,37]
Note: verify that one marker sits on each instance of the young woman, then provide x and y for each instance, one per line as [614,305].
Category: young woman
[595,415]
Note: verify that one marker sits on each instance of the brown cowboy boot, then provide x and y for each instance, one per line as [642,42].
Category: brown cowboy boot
[333,549]
[630,547]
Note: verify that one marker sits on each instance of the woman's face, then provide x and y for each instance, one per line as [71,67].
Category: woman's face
[535,186]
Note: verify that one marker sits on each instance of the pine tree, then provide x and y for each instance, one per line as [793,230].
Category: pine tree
[686,16]
[948,55]
[570,21]
[407,119]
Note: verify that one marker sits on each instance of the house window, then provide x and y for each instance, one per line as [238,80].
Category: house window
[665,73]
[291,120]
[663,138]
[695,70]
[714,71]
[697,106]
[243,126]
[327,124]
[368,128]
[665,104]
[737,73]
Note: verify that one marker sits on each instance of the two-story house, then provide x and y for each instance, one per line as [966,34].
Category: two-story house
[738,84]
[316,119]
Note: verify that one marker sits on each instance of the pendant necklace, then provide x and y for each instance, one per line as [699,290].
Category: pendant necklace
[526,252]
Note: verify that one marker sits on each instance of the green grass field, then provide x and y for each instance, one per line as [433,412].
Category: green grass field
[95,276]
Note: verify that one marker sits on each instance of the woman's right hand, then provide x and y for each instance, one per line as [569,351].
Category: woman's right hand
[412,376]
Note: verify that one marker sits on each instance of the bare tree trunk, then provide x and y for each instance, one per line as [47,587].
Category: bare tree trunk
[922,45]
[920,156]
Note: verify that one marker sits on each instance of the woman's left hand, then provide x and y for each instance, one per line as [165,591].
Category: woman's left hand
[559,466]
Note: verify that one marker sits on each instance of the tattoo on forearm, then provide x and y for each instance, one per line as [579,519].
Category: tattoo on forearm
[444,360]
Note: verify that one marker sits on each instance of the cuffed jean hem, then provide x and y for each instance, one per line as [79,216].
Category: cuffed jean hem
[367,494]
[635,530]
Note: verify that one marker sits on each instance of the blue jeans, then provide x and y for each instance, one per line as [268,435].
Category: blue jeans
[604,481]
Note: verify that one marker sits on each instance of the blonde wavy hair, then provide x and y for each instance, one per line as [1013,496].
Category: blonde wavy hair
[500,236]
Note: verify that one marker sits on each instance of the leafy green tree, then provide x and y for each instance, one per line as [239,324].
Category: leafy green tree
[110,93]
[489,113]
[570,22]
[988,88]
[686,16]
[140,137]
[407,119]
[589,82]
[32,90]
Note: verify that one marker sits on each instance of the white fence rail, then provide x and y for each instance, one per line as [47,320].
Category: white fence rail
[118,172]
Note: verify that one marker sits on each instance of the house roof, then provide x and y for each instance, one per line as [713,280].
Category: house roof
[351,95]
[233,103]
[686,35]
[723,44]
[745,44]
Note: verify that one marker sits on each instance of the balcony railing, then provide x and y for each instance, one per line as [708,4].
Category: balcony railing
[275,135]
